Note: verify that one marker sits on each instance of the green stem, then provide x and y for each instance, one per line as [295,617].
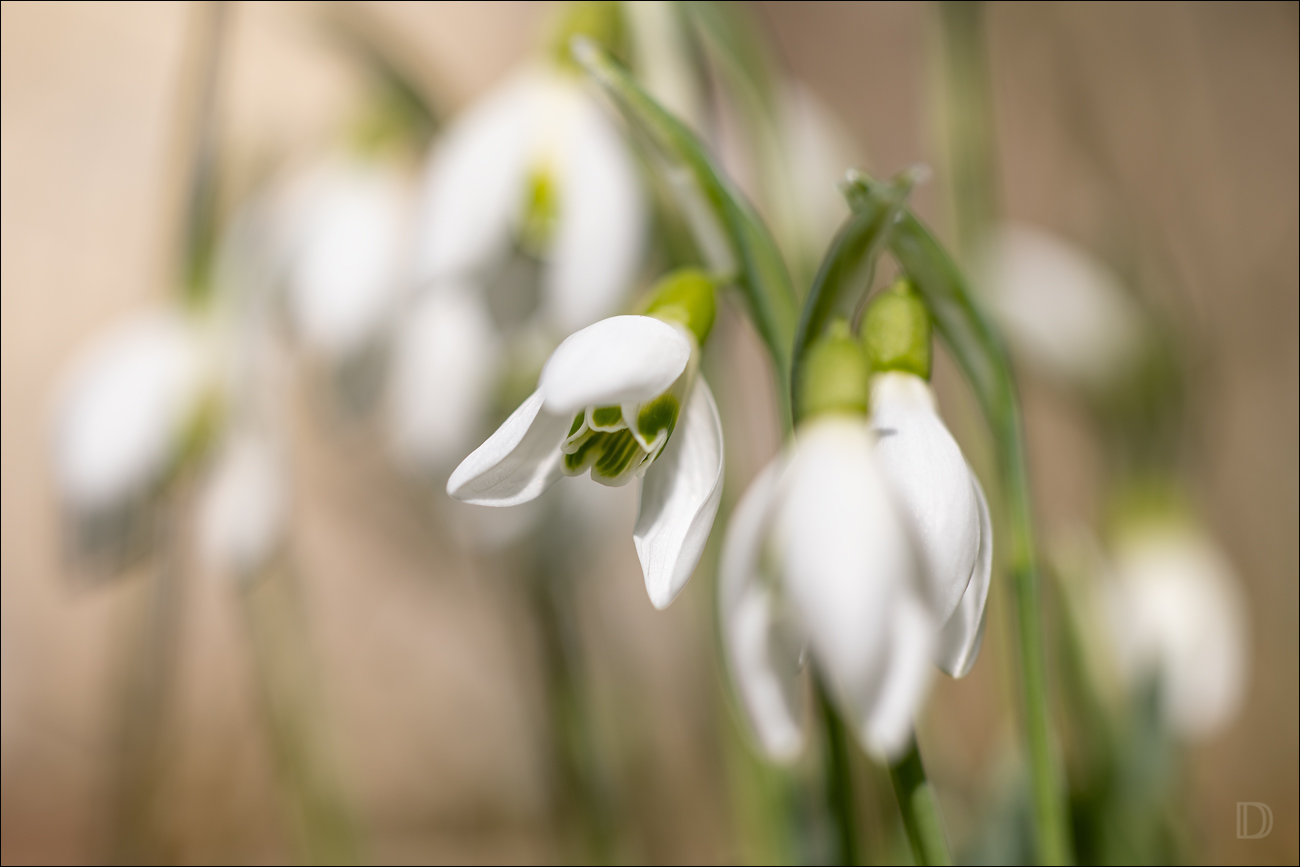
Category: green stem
[968,122]
[920,809]
[289,685]
[838,779]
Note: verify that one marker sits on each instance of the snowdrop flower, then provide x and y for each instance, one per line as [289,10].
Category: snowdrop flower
[1174,610]
[532,226]
[124,410]
[869,544]
[344,232]
[622,399]
[818,557]
[1063,311]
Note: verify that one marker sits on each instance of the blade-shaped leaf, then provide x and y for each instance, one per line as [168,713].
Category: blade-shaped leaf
[759,270]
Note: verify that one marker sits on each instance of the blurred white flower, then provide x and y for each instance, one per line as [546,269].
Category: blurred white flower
[124,406]
[344,229]
[244,505]
[620,398]
[948,512]
[819,555]
[534,171]
[1063,312]
[1176,615]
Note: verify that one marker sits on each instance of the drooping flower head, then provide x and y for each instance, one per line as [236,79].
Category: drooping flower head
[621,399]
[863,544]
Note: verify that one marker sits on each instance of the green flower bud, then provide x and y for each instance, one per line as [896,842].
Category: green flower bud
[685,296]
[835,376]
[896,331]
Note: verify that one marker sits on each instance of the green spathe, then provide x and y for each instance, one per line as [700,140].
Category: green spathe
[896,331]
[685,296]
[836,375]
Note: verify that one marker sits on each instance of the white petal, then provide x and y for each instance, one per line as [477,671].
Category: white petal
[844,552]
[763,667]
[601,233]
[1061,309]
[476,181]
[243,508]
[444,366]
[887,727]
[958,644]
[517,463]
[121,409]
[343,279]
[623,359]
[1178,614]
[932,481]
[679,499]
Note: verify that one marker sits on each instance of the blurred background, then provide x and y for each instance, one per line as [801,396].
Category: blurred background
[1162,137]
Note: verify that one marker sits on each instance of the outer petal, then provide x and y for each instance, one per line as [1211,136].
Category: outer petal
[679,499]
[764,667]
[242,514]
[601,233]
[932,481]
[517,463]
[623,359]
[121,409]
[887,724]
[475,185]
[959,639]
[343,278]
[443,366]
[845,554]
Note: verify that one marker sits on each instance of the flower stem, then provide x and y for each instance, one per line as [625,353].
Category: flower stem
[288,681]
[968,110]
[920,809]
[838,779]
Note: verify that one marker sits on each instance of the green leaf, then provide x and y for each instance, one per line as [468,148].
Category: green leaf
[845,274]
[727,230]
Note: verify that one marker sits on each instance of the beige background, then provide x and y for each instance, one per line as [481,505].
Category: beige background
[1180,118]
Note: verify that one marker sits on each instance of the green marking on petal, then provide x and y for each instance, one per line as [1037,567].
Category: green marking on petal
[577,423]
[658,415]
[607,418]
[620,455]
[587,453]
[541,211]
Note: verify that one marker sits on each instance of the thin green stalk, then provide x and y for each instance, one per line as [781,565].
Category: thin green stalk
[288,681]
[838,779]
[968,122]
[920,809]
[978,350]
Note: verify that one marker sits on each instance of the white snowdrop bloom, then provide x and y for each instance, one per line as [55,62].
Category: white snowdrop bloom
[1177,616]
[949,514]
[1062,311]
[345,226]
[244,505]
[536,162]
[620,399]
[818,556]
[123,407]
